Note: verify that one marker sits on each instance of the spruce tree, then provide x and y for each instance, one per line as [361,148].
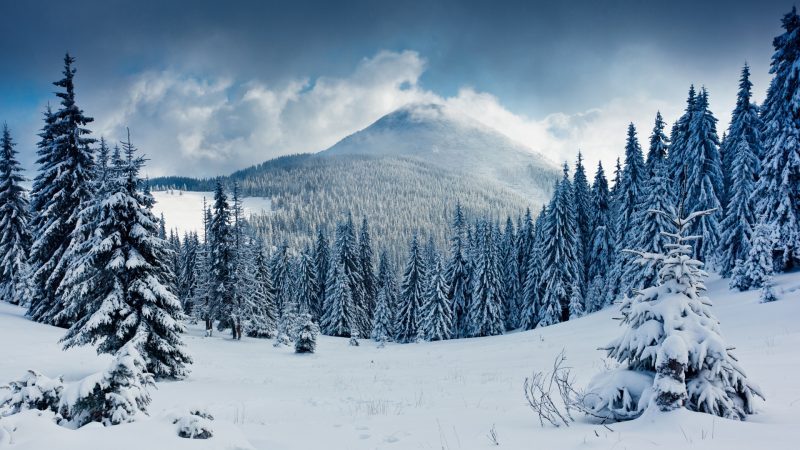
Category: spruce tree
[583,212]
[223,260]
[627,198]
[15,239]
[383,320]
[703,178]
[486,306]
[650,228]
[321,263]
[458,273]
[675,309]
[367,273]
[532,289]
[508,260]
[601,253]
[742,149]
[676,158]
[437,312]
[412,294]
[121,279]
[777,193]
[560,263]
[757,266]
[306,288]
[337,317]
[262,315]
[306,341]
[63,184]
[659,143]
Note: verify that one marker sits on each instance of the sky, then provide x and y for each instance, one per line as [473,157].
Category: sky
[208,87]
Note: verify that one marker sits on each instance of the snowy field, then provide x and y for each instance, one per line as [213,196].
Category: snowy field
[184,210]
[443,395]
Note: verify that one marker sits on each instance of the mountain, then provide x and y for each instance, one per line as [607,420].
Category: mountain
[405,172]
[445,138]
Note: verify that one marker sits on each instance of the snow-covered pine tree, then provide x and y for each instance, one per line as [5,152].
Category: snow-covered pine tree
[437,312]
[742,150]
[703,181]
[367,272]
[346,262]
[757,266]
[601,252]
[120,279]
[649,228]
[383,322]
[532,289]
[676,308]
[119,395]
[679,140]
[458,273]
[412,294]
[223,260]
[486,306]
[306,341]
[777,193]
[322,259]
[204,275]
[560,263]
[62,186]
[512,293]
[281,279]
[583,215]
[337,317]
[659,143]
[262,312]
[576,303]
[627,198]
[306,284]
[187,277]
[15,239]
[387,278]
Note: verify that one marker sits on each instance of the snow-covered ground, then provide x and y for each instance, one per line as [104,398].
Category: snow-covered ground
[184,209]
[443,395]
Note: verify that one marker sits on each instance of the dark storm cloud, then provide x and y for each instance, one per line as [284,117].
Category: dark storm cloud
[536,57]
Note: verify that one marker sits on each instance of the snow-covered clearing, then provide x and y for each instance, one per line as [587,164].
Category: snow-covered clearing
[442,395]
[184,209]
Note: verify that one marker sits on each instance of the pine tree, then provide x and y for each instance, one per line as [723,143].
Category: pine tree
[627,198]
[601,253]
[366,271]
[777,193]
[337,318]
[532,289]
[307,289]
[703,177]
[659,143]
[649,229]
[15,239]
[675,308]
[121,279]
[742,149]
[757,266]
[560,263]
[223,261]
[321,263]
[508,260]
[437,312]
[486,308]
[412,294]
[187,276]
[676,158]
[306,341]
[583,211]
[458,274]
[345,269]
[383,319]
[262,311]
[60,190]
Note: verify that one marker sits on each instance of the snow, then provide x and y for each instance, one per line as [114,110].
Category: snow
[436,395]
[184,209]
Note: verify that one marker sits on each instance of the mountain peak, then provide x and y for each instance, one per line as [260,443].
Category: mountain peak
[444,137]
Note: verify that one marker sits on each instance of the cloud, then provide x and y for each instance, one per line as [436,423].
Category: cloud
[200,125]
